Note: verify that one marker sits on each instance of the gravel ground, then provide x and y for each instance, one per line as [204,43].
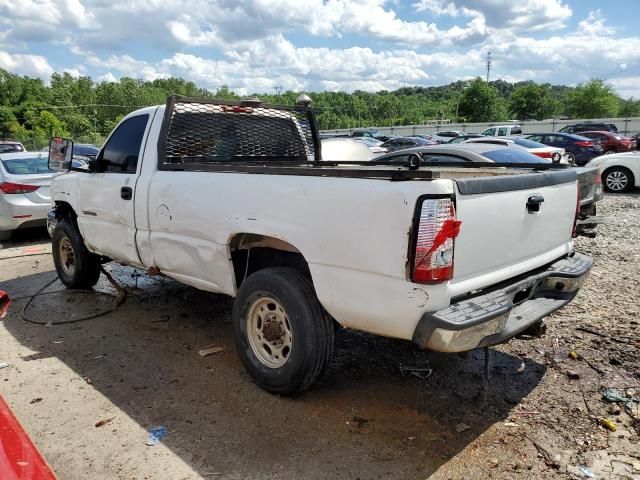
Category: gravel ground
[139,367]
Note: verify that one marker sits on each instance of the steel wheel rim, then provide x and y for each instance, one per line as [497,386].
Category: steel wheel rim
[617,180]
[571,158]
[67,257]
[269,332]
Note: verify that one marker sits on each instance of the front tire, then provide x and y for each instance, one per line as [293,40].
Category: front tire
[618,179]
[77,267]
[283,335]
[571,158]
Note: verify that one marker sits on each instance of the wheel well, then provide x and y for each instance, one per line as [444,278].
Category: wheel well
[66,211]
[251,252]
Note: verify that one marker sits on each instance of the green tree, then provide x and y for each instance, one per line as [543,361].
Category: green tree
[531,101]
[629,108]
[482,103]
[593,99]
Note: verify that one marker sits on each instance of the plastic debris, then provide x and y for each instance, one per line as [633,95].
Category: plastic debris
[103,422]
[4,365]
[573,354]
[573,375]
[461,427]
[586,471]
[510,424]
[608,424]
[210,350]
[155,435]
[614,396]
[521,367]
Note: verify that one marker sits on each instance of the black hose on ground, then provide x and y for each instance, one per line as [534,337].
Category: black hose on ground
[119,298]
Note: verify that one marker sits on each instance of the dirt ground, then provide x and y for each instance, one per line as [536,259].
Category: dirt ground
[88,391]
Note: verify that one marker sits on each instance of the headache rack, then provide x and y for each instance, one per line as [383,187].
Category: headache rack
[199,132]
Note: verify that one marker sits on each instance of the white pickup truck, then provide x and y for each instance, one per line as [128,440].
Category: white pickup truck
[233,197]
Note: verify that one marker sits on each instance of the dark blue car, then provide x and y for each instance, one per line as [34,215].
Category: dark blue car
[580,150]
[86,150]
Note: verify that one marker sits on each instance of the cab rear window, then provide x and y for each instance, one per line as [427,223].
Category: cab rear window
[27,166]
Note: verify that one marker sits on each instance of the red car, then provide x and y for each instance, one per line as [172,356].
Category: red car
[611,142]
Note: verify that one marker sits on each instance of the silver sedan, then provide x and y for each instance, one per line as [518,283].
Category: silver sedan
[24,191]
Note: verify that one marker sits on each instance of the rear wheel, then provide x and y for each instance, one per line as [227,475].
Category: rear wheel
[283,335]
[571,158]
[77,267]
[617,179]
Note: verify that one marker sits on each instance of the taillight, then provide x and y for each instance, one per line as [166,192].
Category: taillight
[575,217]
[8,187]
[543,154]
[584,144]
[437,229]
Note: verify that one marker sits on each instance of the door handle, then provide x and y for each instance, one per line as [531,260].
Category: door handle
[534,202]
[126,193]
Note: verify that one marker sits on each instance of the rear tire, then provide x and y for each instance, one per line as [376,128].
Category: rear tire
[571,158]
[77,267]
[617,179]
[282,334]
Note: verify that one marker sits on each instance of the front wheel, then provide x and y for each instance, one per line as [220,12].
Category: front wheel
[282,334]
[77,267]
[571,158]
[617,179]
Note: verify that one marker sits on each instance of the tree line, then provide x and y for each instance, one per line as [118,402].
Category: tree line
[32,111]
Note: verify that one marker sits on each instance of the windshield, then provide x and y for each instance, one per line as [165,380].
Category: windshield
[511,155]
[523,142]
[27,166]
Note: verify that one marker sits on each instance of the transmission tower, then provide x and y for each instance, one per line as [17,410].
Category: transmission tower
[488,65]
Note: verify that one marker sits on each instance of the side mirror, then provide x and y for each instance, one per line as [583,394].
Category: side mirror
[60,154]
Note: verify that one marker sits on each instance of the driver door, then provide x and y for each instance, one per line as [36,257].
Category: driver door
[106,217]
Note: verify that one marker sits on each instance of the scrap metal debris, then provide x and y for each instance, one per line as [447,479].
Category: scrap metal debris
[419,372]
[210,350]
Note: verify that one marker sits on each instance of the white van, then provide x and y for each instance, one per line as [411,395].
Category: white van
[503,131]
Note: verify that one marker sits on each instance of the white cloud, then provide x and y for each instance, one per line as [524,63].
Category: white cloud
[520,15]
[32,65]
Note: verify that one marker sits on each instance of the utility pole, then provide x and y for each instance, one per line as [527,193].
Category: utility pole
[488,65]
[278,89]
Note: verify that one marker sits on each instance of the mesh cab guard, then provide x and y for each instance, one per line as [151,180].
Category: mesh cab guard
[198,132]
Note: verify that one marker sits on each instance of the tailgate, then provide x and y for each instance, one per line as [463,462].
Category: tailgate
[500,236]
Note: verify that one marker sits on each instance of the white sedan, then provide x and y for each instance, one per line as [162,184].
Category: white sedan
[619,171]
[24,191]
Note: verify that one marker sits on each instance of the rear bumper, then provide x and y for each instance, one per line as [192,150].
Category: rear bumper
[499,315]
[17,211]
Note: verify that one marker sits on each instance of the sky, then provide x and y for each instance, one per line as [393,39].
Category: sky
[255,46]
